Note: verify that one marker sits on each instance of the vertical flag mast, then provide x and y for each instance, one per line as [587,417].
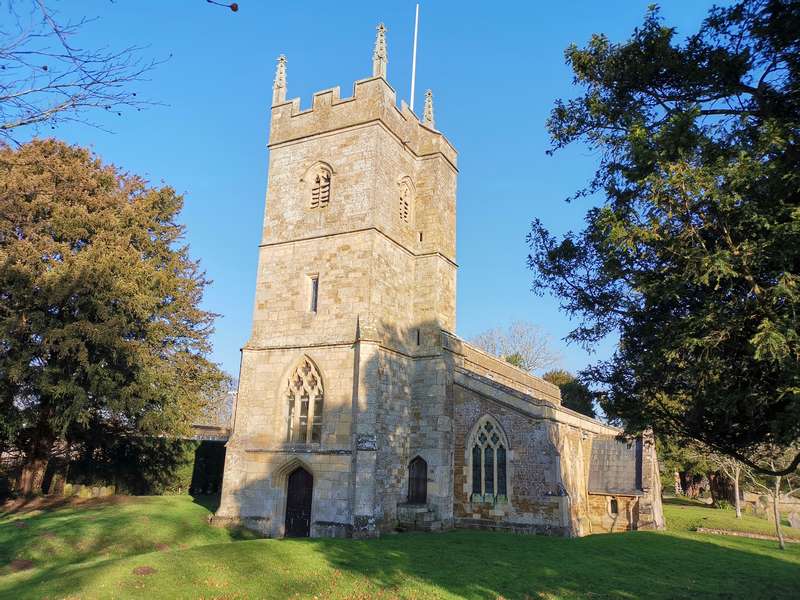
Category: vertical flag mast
[414,58]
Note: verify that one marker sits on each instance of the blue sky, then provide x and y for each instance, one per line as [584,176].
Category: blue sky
[494,68]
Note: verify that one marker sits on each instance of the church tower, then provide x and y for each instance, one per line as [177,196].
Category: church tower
[341,385]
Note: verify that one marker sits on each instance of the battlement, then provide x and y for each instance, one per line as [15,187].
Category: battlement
[373,101]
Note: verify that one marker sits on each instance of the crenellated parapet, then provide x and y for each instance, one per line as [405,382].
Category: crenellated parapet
[373,101]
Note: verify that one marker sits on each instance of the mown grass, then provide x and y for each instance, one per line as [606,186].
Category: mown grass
[688,515]
[97,553]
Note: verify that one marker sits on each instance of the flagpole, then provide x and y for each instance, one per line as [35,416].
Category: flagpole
[414,58]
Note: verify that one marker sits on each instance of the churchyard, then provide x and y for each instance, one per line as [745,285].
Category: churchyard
[346,442]
[162,547]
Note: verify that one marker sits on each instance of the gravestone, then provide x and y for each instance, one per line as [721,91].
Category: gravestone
[794,520]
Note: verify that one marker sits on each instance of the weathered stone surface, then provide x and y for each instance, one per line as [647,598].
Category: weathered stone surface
[354,383]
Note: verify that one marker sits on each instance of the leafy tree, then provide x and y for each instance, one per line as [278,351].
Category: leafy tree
[575,394]
[693,257]
[100,327]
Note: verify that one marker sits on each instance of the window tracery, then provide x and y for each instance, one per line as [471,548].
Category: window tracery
[305,404]
[489,462]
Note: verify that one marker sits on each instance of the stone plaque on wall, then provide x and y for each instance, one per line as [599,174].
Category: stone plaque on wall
[615,466]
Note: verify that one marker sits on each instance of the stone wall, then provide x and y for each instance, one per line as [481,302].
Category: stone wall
[482,363]
[548,465]
[535,502]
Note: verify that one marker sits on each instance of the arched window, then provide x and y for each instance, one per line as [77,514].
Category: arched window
[417,481]
[488,451]
[321,188]
[305,398]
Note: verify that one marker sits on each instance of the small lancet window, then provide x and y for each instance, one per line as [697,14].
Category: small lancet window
[313,293]
[305,404]
[489,463]
[321,188]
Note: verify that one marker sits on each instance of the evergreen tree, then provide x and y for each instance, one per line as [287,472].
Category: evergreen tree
[694,256]
[575,394]
[101,330]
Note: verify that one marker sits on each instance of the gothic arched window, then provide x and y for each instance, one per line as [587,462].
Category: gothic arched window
[305,398]
[321,187]
[488,451]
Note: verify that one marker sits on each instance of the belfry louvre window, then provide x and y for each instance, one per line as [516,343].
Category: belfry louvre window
[321,189]
[405,202]
[305,403]
[488,454]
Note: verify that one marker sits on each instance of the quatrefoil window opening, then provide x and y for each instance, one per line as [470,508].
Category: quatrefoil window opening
[305,404]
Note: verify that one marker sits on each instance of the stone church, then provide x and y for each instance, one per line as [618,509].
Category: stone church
[359,411]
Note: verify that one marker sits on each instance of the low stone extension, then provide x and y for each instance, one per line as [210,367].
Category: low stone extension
[418,517]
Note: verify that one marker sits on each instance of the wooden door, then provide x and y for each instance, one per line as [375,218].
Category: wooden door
[417,481]
[298,503]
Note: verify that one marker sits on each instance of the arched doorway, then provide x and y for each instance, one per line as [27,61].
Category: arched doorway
[298,503]
[417,481]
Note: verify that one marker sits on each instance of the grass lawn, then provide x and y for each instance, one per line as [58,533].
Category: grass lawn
[162,548]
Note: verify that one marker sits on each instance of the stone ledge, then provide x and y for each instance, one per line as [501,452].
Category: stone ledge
[524,528]
[745,534]
[334,451]
[260,525]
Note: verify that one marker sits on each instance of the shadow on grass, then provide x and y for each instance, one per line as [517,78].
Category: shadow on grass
[208,501]
[632,565]
[89,532]
[460,564]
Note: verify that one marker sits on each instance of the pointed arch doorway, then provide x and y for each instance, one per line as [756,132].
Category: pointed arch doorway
[300,487]
[417,481]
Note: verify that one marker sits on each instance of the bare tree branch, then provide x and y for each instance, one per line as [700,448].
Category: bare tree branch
[521,341]
[47,79]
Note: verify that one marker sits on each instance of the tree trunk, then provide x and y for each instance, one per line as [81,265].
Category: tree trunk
[32,476]
[688,484]
[776,498]
[35,463]
[678,486]
[737,471]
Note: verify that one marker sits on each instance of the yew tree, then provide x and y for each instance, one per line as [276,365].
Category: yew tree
[691,251]
[575,394]
[101,330]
